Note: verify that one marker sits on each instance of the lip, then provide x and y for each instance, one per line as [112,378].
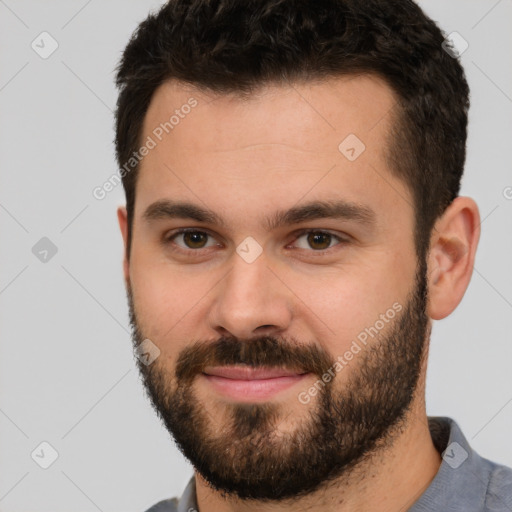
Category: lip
[249,373]
[251,384]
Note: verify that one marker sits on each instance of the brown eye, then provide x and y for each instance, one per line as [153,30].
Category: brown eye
[190,239]
[319,240]
[195,239]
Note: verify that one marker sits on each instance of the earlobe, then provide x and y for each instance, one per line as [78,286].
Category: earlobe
[451,258]
[122,218]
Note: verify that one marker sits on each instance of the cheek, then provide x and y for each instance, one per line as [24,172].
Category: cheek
[159,295]
[345,302]
[170,300]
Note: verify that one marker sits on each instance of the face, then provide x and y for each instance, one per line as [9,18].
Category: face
[298,259]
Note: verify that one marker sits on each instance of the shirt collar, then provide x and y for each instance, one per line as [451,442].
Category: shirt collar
[188,501]
[462,479]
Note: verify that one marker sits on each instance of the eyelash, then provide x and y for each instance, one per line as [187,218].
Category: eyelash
[169,240]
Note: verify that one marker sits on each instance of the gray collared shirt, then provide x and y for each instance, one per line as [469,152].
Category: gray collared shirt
[465,481]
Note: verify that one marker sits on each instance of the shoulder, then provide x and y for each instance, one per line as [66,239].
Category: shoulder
[169,505]
[185,503]
[499,491]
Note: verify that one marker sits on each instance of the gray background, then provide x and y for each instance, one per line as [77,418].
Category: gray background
[66,370]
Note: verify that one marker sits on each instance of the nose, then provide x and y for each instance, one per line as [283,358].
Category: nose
[251,301]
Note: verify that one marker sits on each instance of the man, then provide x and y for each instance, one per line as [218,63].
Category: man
[292,228]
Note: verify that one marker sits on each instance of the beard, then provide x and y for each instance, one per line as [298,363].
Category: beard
[247,456]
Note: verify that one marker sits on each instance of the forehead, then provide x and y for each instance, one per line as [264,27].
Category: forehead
[282,142]
[274,113]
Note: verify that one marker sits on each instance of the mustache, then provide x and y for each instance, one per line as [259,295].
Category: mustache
[264,351]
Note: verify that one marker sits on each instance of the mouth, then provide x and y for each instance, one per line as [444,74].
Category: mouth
[249,373]
[246,383]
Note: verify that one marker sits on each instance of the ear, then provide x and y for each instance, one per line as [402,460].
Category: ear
[453,244]
[122,217]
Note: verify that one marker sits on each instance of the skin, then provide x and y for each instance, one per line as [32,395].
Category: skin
[246,158]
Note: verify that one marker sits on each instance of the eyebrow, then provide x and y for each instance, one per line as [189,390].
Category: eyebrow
[333,209]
